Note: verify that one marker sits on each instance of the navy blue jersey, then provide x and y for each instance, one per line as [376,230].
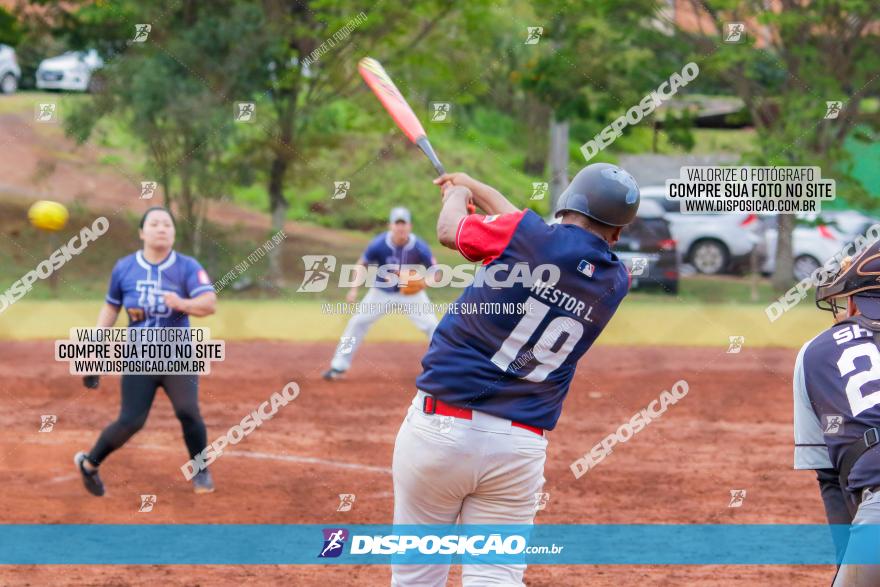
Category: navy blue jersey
[139,286]
[382,251]
[836,394]
[519,365]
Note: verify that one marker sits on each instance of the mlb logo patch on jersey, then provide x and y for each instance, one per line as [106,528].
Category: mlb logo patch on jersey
[586,268]
[203,277]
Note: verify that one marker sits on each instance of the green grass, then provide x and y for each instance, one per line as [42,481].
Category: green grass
[714,140]
[126,149]
[639,140]
[22,102]
[25,101]
[716,290]
[637,323]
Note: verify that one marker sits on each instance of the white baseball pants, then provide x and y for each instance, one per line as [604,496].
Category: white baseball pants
[377,303]
[862,575]
[480,471]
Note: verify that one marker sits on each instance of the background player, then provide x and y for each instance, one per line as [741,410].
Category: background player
[398,246]
[158,287]
[500,379]
[837,403]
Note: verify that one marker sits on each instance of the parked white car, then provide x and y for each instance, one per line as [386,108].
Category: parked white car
[10,73]
[72,71]
[811,246]
[850,223]
[712,243]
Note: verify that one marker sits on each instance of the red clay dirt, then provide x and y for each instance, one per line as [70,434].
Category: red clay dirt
[732,431]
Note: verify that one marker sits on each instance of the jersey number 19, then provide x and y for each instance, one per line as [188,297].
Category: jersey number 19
[511,352]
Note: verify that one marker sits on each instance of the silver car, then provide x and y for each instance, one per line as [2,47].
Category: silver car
[711,243]
[10,73]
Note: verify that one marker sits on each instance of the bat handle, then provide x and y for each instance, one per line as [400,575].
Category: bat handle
[425,145]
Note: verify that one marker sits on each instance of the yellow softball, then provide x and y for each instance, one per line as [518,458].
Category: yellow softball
[47,215]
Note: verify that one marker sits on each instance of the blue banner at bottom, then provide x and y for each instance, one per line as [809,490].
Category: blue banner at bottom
[271,544]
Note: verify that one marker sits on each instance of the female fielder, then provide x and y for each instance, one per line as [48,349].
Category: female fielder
[159,287]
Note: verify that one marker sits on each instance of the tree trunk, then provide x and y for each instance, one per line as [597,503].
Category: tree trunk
[655,128]
[166,188]
[278,209]
[186,207]
[558,159]
[199,224]
[783,274]
[278,204]
[536,122]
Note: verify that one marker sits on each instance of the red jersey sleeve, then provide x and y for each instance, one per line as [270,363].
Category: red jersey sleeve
[483,238]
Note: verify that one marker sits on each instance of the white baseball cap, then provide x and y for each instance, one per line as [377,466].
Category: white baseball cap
[398,214]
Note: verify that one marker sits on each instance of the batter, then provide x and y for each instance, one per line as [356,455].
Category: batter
[473,444]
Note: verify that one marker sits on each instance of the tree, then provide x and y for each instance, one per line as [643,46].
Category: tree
[10,29]
[589,70]
[316,46]
[795,58]
[177,95]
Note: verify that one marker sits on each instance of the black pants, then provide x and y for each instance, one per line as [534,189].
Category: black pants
[138,392]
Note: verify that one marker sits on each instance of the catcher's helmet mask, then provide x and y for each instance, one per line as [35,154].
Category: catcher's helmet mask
[858,277]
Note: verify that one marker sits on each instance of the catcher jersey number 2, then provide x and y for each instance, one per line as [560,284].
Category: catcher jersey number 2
[858,403]
[512,353]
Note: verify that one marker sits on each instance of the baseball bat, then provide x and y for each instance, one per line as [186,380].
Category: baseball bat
[378,80]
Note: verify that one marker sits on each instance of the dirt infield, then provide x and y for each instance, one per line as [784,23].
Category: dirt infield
[732,431]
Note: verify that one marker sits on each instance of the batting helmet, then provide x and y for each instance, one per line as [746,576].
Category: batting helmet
[859,277]
[604,192]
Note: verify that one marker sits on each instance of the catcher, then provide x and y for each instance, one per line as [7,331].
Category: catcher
[391,250]
[837,406]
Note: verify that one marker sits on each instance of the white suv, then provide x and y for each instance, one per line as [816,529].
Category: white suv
[9,70]
[849,223]
[71,71]
[811,246]
[712,243]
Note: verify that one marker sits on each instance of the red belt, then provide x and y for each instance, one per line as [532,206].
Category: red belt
[432,406]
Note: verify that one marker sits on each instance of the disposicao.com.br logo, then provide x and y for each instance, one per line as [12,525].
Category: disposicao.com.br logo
[430,544]
[334,542]
[319,270]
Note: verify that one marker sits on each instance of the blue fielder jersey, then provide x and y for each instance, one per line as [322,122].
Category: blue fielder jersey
[837,398]
[382,251]
[519,365]
[140,286]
